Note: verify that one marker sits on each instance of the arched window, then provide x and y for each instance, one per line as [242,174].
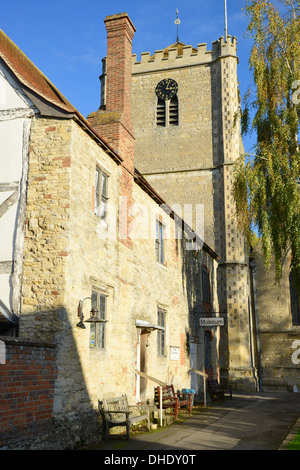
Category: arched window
[167,112]
[294,298]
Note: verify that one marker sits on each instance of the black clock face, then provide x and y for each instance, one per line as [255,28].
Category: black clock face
[166,89]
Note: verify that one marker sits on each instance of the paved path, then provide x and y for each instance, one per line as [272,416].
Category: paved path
[251,421]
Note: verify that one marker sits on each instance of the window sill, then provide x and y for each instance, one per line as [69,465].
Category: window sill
[161,265]
[97,350]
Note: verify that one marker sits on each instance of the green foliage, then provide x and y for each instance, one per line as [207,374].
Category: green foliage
[267,182]
[295,443]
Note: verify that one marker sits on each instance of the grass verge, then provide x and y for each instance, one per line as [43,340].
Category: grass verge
[295,443]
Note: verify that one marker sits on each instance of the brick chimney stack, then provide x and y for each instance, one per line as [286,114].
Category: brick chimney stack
[114,123]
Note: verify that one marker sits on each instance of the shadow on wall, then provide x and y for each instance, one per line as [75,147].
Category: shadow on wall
[278,335]
[8,321]
[193,261]
[191,281]
[71,420]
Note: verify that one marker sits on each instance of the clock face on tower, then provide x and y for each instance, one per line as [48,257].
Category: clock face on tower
[166,89]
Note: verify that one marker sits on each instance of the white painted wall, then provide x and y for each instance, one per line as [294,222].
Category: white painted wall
[16,112]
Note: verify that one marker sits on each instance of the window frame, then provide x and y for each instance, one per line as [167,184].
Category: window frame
[160,247]
[207,350]
[205,282]
[173,111]
[98,329]
[161,333]
[163,111]
[101,193]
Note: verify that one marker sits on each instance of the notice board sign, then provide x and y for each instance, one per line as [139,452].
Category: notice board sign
[213,321]
[174,353]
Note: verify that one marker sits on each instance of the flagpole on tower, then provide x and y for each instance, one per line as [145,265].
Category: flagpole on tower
[226,30]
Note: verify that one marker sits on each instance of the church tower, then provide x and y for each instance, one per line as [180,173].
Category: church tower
[185,107]
[185,119]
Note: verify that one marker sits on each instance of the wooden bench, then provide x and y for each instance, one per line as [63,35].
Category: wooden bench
[117,412]
[170,399]
[217,392]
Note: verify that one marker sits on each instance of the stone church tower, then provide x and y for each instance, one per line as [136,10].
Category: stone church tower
[185,108]
[186,127]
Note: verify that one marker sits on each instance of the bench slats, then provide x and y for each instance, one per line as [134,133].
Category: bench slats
[117,412]
[170,399]
[216,391]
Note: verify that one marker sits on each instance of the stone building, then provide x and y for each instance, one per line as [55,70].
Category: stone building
[195,140]
[185,118]
[105,214]
[93,259]
[277,324]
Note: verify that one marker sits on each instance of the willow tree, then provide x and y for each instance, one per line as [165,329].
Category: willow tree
[266,185]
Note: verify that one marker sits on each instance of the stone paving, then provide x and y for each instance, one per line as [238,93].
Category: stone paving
[251,421]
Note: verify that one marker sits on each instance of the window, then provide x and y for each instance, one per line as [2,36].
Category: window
[167,112]
[173,111]
[161,321]
[97,330]
[205,285]
[101,193]
[161,113]
[295,311]
[207,349]
[159,242]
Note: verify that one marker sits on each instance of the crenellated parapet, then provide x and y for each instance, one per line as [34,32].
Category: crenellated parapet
[180,55]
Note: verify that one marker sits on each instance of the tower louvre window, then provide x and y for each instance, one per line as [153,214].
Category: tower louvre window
[173,111]
[167,112]
[161,113]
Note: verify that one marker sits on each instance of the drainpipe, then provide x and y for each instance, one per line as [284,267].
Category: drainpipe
[252,266]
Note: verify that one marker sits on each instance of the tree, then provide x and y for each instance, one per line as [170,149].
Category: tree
[266,184]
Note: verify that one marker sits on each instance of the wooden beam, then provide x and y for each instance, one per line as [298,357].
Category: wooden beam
[152,379]
[9,202]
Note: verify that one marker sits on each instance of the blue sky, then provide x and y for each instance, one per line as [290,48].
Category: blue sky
[66,39]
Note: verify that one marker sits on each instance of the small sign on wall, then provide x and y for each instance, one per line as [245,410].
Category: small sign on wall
[216,321]
[175,353]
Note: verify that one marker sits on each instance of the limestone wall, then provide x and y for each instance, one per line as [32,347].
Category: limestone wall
[69,252]
[278,340]
[192,165]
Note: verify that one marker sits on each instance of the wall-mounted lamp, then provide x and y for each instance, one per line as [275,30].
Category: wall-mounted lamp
[94,315]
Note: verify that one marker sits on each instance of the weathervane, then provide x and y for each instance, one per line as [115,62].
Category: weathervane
[177,22]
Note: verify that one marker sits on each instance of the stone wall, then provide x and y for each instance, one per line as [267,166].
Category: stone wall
[192,165]
[278,340]
[177,156]
[47,219]
[70,251]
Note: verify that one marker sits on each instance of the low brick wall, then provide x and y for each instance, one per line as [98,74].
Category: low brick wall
[27,379]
